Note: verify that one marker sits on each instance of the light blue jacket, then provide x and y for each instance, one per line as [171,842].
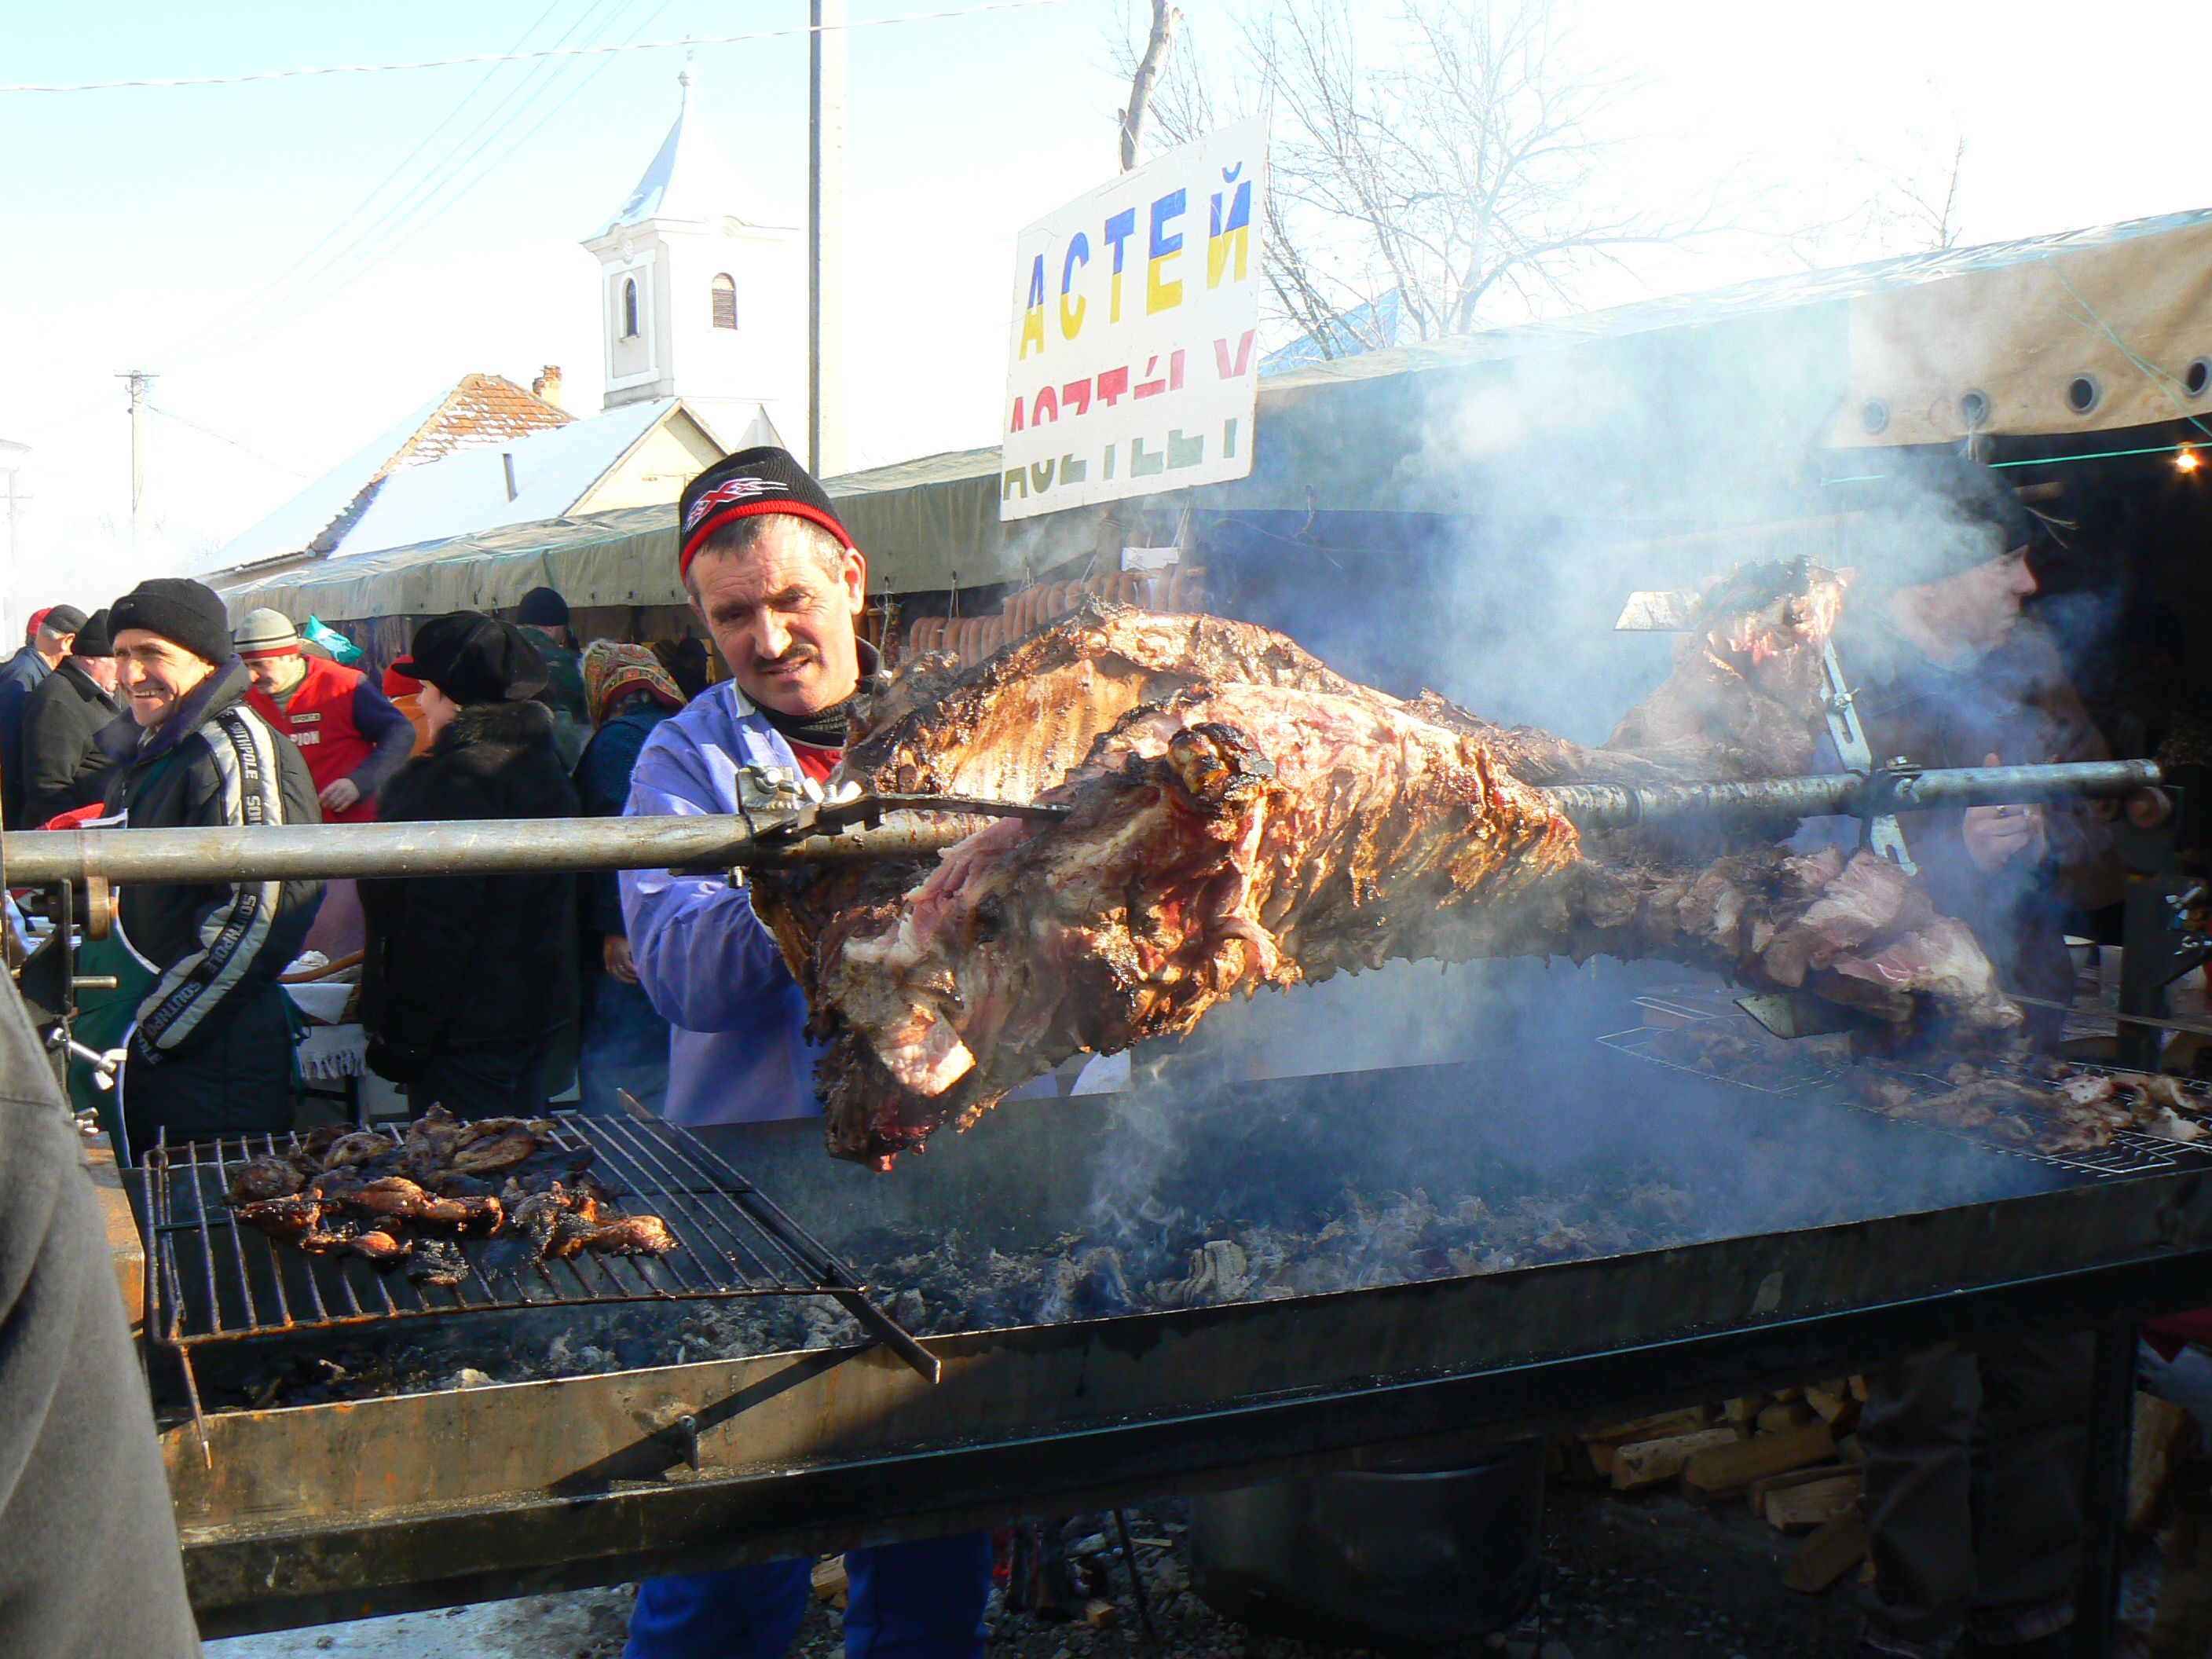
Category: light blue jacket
[739,1054]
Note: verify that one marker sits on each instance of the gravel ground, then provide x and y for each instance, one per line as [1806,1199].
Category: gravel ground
[1644,1577]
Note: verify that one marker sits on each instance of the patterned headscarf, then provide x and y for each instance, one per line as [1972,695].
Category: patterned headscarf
[610,669]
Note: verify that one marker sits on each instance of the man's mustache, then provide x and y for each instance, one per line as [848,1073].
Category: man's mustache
[795,655]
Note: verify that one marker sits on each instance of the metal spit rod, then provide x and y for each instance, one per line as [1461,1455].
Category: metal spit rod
[1617,806]
[300,852]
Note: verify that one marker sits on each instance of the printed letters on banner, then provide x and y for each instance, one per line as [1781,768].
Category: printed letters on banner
[1135,365]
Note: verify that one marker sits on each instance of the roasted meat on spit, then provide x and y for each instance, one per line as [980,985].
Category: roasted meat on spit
[1239,816]
[409,1201]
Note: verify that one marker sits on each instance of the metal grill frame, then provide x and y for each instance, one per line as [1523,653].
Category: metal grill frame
[2130,1152]
[733,1241]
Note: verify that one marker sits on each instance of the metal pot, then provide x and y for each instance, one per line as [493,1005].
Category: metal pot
[1395,1558]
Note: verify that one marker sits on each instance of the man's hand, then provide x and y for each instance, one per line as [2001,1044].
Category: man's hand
[338,796]
[614,953]
[1997,835]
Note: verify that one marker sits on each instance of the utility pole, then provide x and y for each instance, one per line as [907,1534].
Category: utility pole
[139,380]
[825,242]
[11,461]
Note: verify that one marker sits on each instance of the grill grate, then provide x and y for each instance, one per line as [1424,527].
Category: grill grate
[2129,1154]
[209,1280]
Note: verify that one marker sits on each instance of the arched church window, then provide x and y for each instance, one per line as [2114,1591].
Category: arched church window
[630,307]
[725,302]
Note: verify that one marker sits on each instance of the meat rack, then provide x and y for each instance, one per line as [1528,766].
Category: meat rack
[212,1284]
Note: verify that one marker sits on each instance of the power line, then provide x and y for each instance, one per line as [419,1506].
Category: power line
[544,52]
[318,286]
[209,432]
[285,276]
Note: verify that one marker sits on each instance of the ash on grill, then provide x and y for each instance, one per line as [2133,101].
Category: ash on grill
[1150,1260]
[2038,1104]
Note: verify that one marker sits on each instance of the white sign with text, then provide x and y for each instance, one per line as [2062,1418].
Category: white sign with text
[1135,366]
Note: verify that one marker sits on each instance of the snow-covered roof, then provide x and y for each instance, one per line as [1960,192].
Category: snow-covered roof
[467,491]
[477,410]
[689,178]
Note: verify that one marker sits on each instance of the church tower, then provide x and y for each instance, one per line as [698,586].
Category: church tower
[699,300]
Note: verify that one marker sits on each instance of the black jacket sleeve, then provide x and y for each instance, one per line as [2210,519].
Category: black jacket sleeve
[90,1568]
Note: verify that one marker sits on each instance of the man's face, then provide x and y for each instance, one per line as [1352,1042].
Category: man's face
[155,673]
[1977,608]
[102,670]
[275,675]
[782,619]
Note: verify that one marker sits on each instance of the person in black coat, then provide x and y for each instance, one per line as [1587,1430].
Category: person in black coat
[468,980]
[19,676]
[63,765]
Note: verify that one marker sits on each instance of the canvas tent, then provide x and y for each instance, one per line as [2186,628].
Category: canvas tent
[1667,415]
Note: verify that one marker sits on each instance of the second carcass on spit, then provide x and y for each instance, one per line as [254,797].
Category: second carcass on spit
[1241,816]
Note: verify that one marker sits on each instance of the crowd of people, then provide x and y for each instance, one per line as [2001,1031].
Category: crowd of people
[485,994]
[155,712]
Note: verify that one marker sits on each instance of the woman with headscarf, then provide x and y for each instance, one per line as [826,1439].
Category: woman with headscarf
[624,1043]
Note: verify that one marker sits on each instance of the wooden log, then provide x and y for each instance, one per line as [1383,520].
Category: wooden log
[1657,1426]
[1801,1509]
[1784,1415]
[1101,1615]
[1722,1469]
[1833,1406]
[1745,1409]
[1859,1389]
[2163,1432]
[1756,1493]
[830,1579]
[1648,1462]
[1828,1552]
[1599,1439]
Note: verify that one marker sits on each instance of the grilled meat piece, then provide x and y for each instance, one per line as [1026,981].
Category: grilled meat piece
[479,1217]
[287,1217]
[633,1234]
[327,1235]
[1276,829]
[502,1151]
[1745,697]
[437,1262]
[483,1128]
[395,1196]
[382,1248]
[267,1177]
[555,1222]
[359,1147]
[430,1143]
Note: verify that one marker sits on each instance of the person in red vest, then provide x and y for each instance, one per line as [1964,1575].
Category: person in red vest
[352,737]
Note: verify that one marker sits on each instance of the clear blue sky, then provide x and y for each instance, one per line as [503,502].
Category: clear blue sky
[139,218]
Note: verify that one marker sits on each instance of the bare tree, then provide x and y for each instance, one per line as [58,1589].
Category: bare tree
[1142,76]
[1464,182]
[1920,205]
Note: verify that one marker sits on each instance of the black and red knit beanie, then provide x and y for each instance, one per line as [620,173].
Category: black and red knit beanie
[740,486]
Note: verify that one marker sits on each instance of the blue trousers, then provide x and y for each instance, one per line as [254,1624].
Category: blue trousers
[921,1600]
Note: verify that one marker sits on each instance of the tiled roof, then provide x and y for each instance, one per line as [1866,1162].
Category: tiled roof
[479,409]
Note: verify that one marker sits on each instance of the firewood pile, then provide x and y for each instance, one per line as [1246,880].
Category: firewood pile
[1792,1456]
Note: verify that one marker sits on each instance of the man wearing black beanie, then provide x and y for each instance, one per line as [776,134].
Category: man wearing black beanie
[209,1046]
[64,767]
